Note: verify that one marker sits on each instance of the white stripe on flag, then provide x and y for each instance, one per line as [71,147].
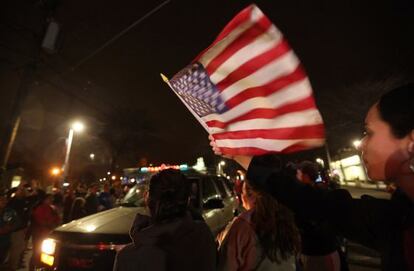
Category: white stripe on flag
[267,144]
[263,43]
[283,65]
[214,51]
[293,93]
[290,120]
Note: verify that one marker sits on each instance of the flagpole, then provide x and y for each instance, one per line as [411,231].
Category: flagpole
[165,78]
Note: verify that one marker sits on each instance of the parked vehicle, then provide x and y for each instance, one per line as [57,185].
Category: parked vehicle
[91,243]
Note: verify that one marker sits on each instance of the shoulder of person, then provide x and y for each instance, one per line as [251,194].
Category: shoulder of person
[241,223]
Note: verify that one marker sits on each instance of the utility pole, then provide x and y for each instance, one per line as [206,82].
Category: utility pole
[15,119]
[13,125]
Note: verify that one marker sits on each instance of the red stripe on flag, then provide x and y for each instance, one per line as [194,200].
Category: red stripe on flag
[298,147]
[302,132]
[252,151]
[268,89]
[254,65]
[241,18]
[243,151]
[261,113]
[244,39]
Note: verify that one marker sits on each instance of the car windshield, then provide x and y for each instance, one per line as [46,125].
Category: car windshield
[135,196]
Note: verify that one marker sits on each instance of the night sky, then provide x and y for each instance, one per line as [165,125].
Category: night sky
[352,52]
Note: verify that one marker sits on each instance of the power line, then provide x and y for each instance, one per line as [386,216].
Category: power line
[70,94]
[120,34]
[61,73]
[71,81]
[43,79]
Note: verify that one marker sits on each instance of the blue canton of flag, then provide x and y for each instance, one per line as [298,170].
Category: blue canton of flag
[195,88]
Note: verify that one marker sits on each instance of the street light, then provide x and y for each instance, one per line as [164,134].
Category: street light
[55,171]
[92,156]
[78,127]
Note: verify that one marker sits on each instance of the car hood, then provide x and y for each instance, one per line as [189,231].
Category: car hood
[114,221]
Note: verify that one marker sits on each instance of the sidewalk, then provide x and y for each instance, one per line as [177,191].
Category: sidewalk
[376,186]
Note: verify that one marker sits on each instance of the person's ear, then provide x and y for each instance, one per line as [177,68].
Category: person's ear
[411,143]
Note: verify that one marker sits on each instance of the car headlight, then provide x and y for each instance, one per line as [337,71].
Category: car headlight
[47,259]
[49,246]
[48,250]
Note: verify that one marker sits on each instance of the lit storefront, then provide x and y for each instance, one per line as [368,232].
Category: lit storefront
[350,169]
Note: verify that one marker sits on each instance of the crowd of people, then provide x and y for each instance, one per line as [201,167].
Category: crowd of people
[27,212]
[289,222]
[265,236]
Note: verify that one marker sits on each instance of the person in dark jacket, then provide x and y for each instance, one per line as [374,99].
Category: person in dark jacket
[91,200]
[320,247]
[388,153]
[106,200]
[77,210]
[67,205]
[7,223]
[169,239]
[22,204]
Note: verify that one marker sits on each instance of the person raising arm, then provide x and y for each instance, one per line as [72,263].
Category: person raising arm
[388,153]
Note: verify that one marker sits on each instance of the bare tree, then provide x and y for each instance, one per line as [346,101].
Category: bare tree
[125,131]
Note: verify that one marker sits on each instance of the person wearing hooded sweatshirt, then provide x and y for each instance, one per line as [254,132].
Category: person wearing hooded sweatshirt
[169,239]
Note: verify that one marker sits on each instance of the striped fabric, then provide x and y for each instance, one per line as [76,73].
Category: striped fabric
[249,90]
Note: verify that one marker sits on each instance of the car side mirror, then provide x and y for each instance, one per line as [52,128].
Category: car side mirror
[214,203]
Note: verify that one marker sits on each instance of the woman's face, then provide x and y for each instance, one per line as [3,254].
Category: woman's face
[382,152]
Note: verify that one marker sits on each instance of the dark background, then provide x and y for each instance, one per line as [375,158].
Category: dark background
[352,52]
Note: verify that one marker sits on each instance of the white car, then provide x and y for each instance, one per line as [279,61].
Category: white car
[91,243]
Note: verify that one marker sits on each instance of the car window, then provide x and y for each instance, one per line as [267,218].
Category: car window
[220,185]
[195,193]
[229,185]
[135,195]
[208,189]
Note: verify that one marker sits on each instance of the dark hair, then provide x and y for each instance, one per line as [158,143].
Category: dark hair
[309,168]
[168,195]
[396,108]
[275,226]
[41,197]
[78,208]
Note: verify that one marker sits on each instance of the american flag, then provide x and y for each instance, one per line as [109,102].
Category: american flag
[249,90]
